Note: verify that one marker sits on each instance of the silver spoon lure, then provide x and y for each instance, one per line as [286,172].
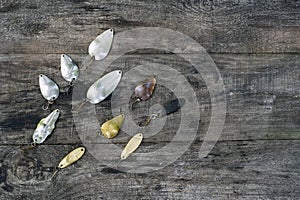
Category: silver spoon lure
[99,48]
[44,128]
[102,88]
[49,90]
[69,69]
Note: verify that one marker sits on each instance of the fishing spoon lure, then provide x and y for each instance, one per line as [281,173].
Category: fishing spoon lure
[168,108]
[68,68]
[102,88]
[131,146]
[111,128]
[44,128]
[69,159]
[144,90]
[99,48]
[49,89]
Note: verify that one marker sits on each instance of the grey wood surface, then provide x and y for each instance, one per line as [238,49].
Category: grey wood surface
[256,47]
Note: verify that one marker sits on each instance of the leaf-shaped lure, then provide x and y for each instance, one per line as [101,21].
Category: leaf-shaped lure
[103,87]
[99,48]
[144,90]
[131,146]
[111,128]
[69,159]
[44,129]
[49,89]
[69,70]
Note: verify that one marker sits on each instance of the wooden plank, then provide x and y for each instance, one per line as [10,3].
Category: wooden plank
[262,96]
[255,45]
[230,26]
[233,170]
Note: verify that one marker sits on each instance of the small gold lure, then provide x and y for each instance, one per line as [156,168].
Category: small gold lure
[69,159]
[111,128]
[131,146]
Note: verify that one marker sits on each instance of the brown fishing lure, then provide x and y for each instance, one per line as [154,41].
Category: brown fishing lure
[144,90]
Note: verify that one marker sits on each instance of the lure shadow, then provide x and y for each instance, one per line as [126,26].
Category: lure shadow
[111,171]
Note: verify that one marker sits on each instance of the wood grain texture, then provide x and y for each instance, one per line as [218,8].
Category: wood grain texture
[262,96]
[231,26]
[256,47]
[234,170]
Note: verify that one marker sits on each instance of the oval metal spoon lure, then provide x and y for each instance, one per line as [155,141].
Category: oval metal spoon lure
[103,87]
[69,159]
[131,146]
[144,90]
[49,89]
[100,47]
[69,70]
[44,128]
[111,128]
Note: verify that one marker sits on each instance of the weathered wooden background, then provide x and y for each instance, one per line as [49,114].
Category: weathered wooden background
[256,46]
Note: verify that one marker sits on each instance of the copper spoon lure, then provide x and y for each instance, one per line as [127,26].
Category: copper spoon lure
[144,90]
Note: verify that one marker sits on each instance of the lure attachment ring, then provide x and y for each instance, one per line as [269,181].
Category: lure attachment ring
[31,146]
[47,105]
